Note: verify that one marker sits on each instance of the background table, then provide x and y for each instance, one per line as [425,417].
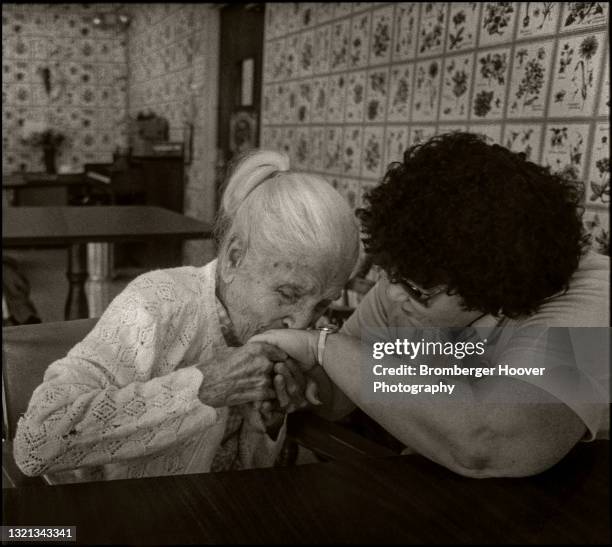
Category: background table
[404,499]
[76,226]
[41,189]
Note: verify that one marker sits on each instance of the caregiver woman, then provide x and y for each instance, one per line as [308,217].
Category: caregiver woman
[166,382]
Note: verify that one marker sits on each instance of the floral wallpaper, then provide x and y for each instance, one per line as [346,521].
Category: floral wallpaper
[348,86]
[172,56]
[60,71]
[166,61]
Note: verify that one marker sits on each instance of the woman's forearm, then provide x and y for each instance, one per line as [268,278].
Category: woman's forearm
[436,429]
[431,427]
[76,418]
[336,404]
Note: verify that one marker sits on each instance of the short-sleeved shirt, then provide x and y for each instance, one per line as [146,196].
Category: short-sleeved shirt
[584,304]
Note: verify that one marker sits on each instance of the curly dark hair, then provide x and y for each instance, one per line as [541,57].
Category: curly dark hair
[500,231]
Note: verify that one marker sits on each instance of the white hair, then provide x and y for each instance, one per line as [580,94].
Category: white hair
[294,213]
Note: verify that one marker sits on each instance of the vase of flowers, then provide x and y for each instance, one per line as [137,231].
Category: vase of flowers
[49,139]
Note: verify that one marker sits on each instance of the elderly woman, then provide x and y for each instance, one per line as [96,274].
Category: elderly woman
[166,382]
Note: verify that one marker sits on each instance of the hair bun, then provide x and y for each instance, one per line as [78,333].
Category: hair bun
[250,172]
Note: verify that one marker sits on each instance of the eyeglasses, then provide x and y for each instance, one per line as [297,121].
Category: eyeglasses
[421,296]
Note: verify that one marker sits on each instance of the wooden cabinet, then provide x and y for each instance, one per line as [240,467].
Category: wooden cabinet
[150,180]
[161,181]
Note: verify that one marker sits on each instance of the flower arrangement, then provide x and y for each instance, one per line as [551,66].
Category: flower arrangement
[40,134]
[49,139]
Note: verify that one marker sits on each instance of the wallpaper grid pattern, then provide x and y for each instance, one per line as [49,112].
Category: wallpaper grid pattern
[88,81]
[172,56]
[348,86]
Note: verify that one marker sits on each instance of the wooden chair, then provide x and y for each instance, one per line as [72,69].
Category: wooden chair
[26,353]
[29,349]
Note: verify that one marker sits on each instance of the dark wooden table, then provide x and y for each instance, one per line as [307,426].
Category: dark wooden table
[41,189]
[76,226]
[404,499]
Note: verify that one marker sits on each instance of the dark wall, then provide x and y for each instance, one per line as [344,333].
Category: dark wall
[241,37]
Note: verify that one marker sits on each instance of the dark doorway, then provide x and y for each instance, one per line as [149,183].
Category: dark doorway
[240,77]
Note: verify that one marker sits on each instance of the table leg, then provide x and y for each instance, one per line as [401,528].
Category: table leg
[76,303]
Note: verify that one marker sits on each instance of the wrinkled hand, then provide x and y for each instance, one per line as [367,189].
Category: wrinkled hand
[242,375]
[294,388]
[301,345]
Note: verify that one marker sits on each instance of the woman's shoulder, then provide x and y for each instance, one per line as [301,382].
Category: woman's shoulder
[166,293]
[173,283]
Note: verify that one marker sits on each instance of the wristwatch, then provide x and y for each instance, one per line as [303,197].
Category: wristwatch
[323,332]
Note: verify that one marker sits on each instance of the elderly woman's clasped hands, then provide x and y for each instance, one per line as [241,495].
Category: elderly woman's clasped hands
[262,374]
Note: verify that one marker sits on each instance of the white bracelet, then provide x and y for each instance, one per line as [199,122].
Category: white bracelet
[323,332]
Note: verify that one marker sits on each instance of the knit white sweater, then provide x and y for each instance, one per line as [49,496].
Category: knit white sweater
[124,402]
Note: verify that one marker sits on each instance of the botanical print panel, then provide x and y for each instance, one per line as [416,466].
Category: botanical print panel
[317,148]
[530,74]
[322,44]
[598,191]
[267,103]
[497,22]
[396,143]
[291,57]
[360,40]
[524,138]
[432,29]
[275,68]
[302,148]
[289,103]
[339,46]
[304,101]
[292,17]
[306,54]
[372,156]
[351,157]
[426,90]
[565,149]
[380,44]
[537,18]
[575,77]
[400,93]
[355,97]
[287,141]
[336,98]
[456,87]
[333,149]
[490,83]
[319,100]
[462,26]
[577,15]
[405,35]
[376,96]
